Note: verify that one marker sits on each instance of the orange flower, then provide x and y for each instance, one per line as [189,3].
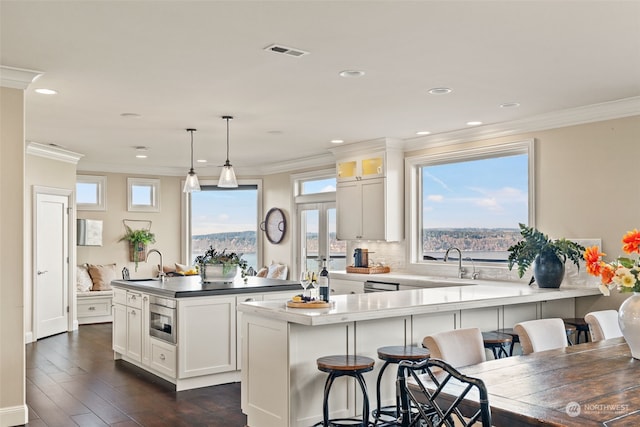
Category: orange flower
[592,256]
[631,241]
[607,272]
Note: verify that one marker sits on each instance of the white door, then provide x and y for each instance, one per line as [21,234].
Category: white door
[318,237]
[51,265]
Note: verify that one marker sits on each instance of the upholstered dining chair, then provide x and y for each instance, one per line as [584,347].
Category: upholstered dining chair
[541,334]
[458,347]
[603,325]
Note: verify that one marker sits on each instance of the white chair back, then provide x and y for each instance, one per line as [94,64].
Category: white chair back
[603,324]
[541,335]
[459,347]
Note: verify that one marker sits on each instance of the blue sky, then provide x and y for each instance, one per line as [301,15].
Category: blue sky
[480,193]
[219,211]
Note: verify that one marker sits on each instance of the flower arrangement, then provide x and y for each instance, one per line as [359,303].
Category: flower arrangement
[623,272]
[229,260]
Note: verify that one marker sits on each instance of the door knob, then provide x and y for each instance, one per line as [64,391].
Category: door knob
[42,272]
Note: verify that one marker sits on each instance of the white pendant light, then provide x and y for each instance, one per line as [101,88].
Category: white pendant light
[227,176]
[191,183]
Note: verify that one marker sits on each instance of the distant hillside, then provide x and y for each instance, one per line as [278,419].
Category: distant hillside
[470,239]
[233,241]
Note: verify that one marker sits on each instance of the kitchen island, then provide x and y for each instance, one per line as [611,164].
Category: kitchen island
[281,385]
[185,331]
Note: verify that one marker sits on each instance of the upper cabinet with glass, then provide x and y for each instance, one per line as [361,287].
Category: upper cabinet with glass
[361,167]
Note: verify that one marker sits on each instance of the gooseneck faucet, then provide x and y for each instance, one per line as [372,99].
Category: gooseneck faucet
[161,274]
[446,257]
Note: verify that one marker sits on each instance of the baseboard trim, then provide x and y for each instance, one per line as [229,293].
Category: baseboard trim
[14,416]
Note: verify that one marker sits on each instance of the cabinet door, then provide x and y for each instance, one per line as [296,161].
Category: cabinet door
[146,346]
[134,333]
[373,209]
[349,210]
[207,336]
[120,328]
[239,299]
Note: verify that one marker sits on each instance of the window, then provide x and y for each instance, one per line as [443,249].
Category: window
[90,193]
[315,195]
[143,195]
[472,200]
[225,218]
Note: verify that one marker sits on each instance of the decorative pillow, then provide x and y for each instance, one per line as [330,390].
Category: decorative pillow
[277,271]
[83,280]
[102,275]
[262,272]
[181,268]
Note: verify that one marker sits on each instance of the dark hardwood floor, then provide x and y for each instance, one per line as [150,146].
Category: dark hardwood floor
[72,379]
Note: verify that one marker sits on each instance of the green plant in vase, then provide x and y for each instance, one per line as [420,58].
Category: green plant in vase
[547,256]
[228,261]
[138,241]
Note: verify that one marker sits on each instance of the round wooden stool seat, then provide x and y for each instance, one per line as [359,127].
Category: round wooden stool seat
[581,325]
[345,365]
[394,354]
[515,338]
[495,341]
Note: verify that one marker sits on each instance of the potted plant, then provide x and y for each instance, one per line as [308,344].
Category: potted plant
[547,256]
[220,266]
[138,241]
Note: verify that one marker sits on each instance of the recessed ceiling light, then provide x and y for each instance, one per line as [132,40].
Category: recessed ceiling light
[130,115]
[44,91]
[351,73]
[423,132]
[201,161]
[337,141]
[510,105]
[473,123]
[140,148]
[141,156]
[440,90]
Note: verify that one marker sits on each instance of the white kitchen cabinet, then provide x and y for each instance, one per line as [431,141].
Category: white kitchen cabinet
[241,299]
[130,335]
[345,287]
[206,335]
[369,193]
[162,357]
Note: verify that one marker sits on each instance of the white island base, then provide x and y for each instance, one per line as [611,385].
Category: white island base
[281,385]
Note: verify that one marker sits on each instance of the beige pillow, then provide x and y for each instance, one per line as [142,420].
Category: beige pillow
[262,272]
[277,271]
[101,276]
[181,268]
[83,280]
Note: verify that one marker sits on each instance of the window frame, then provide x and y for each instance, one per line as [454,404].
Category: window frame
[413,182]
[101,190]
[154,184]
[185,201]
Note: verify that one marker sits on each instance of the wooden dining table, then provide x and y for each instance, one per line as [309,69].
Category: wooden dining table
[590,384]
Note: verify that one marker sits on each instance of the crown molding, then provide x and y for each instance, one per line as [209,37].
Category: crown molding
[356,148]
[617,109]
[53,153]
[17,78]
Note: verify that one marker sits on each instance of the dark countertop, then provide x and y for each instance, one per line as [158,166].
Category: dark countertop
[192,286]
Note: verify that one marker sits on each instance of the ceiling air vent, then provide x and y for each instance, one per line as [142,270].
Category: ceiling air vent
[278,48]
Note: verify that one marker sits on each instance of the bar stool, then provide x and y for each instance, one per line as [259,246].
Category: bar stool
[581,325]
[515,338]
[338,366]
[570,330]
[395,354]
[495,341]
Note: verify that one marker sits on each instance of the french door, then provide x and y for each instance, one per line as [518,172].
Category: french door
[318,237]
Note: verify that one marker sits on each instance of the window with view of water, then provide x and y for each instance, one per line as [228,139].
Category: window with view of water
[225,218]
[474,204]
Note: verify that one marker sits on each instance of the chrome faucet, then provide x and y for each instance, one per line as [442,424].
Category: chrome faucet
[460,269]
[161,274]
[475,273]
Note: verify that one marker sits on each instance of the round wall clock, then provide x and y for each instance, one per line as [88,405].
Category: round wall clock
[274,225]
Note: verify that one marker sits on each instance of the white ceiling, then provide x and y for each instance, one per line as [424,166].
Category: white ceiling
[182,64]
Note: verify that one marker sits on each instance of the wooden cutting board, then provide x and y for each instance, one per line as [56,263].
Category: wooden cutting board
[315,304]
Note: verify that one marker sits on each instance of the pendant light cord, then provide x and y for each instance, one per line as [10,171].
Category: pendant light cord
[227,118]
[191,148]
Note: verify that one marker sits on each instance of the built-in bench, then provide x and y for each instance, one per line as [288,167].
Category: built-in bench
[94,307]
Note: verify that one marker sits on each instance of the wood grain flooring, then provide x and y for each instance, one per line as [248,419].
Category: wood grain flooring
[72,380]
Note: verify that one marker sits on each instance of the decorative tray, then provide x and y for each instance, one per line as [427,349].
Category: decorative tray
[311,304]
[368,270]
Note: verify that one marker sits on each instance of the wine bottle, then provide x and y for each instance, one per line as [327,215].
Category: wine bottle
[323,282]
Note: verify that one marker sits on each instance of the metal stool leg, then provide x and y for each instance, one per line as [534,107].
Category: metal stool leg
[325,403]
[365,401]
[378,382]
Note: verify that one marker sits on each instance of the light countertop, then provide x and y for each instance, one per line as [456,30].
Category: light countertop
[348,308]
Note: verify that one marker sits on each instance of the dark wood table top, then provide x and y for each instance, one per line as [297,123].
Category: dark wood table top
[590,384]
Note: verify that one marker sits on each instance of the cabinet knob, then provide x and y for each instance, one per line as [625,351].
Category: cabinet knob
[145,298]
[133,297]
[333,290]
[133,312]
[249,299]
[162,356]
[92,308]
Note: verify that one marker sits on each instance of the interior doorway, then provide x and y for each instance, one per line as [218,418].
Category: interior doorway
[51,275]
